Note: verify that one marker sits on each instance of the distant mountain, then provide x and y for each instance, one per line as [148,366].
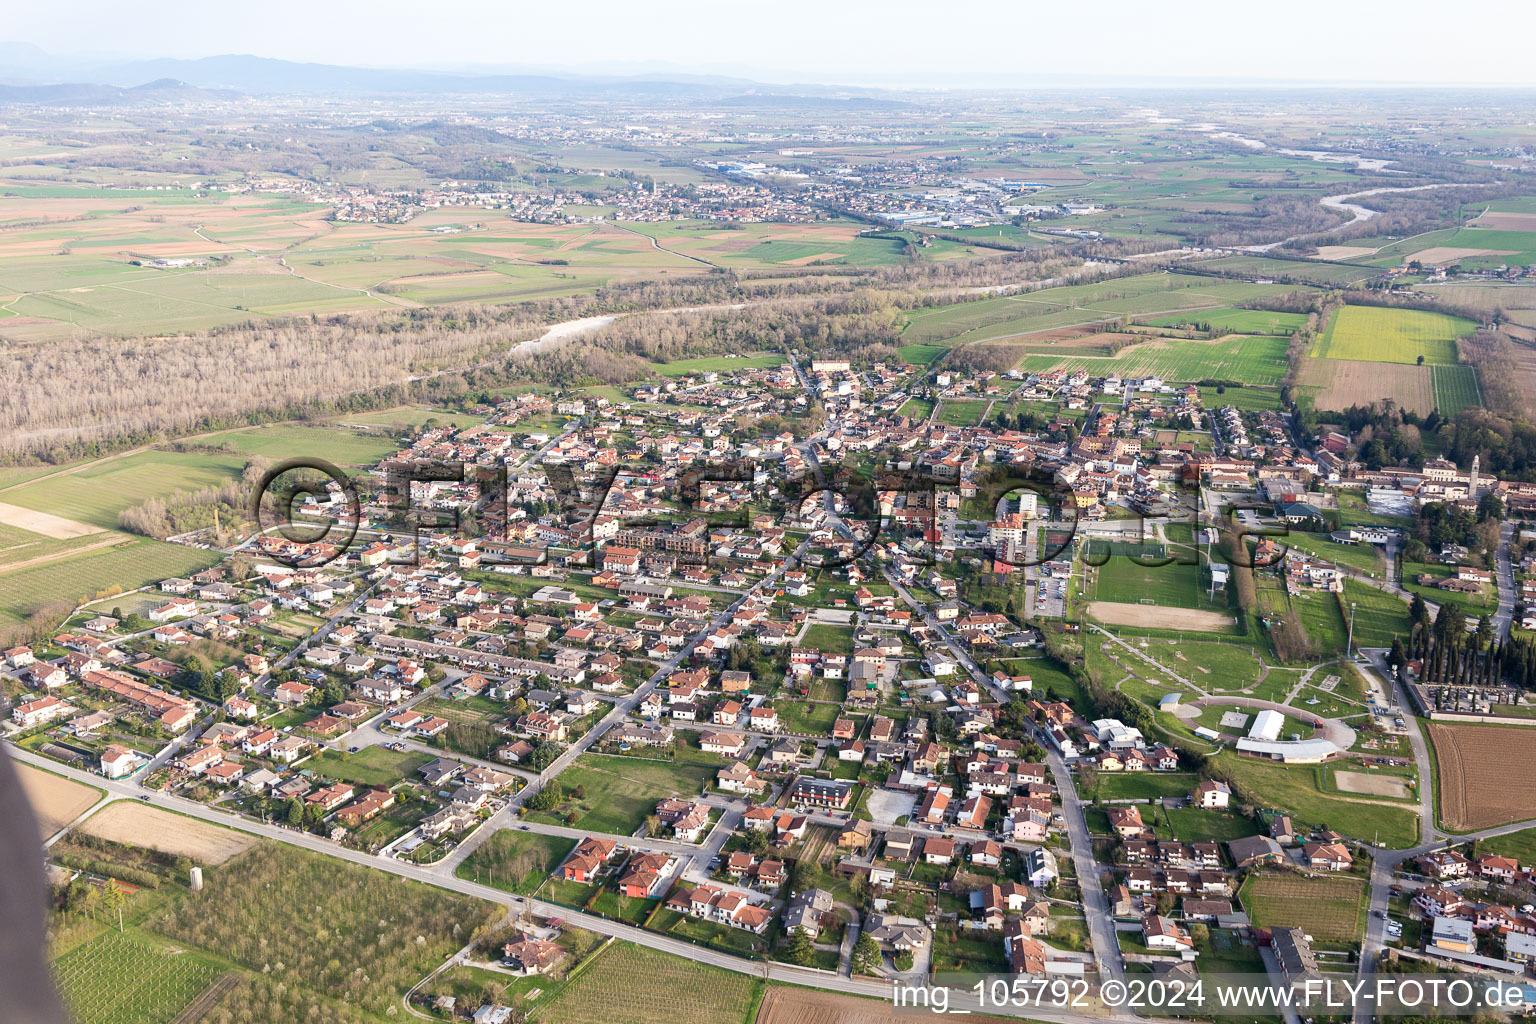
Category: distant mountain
[83,94]
[25,65]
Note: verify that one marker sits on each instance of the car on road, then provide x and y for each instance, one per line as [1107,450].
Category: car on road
[353,750]
[144,797]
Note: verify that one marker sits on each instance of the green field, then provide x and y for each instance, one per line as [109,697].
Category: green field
[371,766]
[1193,825]
[336,445]
[1235,321]
[1242,399]
[622,791]
[130,979]
[1383,335]
[1255,360]
[917,409]
[718,364]
[1296,790]
[1143,785]
[515,861]
[962,413]
[1013,315]
[1455,389]
[636,985]
[95,492]
[1379,617]
[922,354]
[128,566]
[1364,558]
[1212,666]
[1121,579]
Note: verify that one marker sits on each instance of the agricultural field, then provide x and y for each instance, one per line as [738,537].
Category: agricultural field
[95,492]
[130,979]
[1455,389]
[336,445]
[1234,321]
[784,245]
[637,985]
[621,791]
[1377,334]
[334,931]
[1014,315]
[1241,399]
[87,574]
[136,824]
[1330,909]
[1255,360]
[1338,384]
[718,364]
[56,801]
[1474,768]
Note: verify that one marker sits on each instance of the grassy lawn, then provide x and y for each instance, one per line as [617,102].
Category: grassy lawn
[621,791]
[371,766]
[515,861]
[1209,666]
[828,639]
[1379,617]
[1365,558]
[1143,785]
[806,716]
[1193,825]
[1295,790]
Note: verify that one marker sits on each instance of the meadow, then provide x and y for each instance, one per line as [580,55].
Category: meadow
[337,445]
[95,492]
[1455,388]
[515,861]
[718,364]
[620,792]
[1377,334]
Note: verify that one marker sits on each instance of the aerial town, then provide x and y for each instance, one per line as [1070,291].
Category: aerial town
[672,548]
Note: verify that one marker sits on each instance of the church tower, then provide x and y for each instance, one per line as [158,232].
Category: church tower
[1472,478]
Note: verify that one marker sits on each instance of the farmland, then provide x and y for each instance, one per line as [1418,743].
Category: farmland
[1377,334]
[95,492]
[342,447]
[1338,384]
[307,921]
[56,801]
[641,986]
[717,364]
[1330,909]
[134,823]
[1249,359]
[1014,315]
[1235,321]
[619,792]
[1475,767]
[126,566]
[1455,388]
[130,979]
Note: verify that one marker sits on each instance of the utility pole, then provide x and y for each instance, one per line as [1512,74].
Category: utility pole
[1349,649]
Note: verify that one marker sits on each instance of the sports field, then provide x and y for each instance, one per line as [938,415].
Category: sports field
[1376,334]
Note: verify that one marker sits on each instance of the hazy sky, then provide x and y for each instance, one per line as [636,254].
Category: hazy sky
[827,40]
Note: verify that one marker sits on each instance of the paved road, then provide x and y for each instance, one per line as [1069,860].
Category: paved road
[764,969]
